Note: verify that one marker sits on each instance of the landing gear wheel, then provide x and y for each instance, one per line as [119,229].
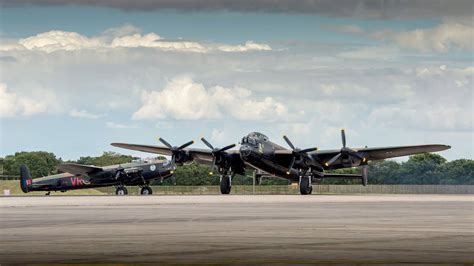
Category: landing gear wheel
[305,185]
[121,191]
[146,191]
[226,184]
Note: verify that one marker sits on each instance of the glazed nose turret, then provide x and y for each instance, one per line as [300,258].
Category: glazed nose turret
[245,151]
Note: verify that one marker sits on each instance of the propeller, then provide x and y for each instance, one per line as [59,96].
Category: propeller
[297,153]
[216,152]
[345,151]
[175,150]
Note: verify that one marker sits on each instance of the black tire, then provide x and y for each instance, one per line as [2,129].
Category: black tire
[305,186]
[226,185]
[146,191]
[121,191]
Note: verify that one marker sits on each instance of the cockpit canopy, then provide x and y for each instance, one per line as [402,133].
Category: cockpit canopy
[252,138]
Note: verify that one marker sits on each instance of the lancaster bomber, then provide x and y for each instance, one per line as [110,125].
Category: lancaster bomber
[77,176]
[257,152]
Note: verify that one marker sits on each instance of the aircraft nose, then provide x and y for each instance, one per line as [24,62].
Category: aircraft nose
[245,151]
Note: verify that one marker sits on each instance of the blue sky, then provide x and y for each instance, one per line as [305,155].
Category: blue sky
[76,77]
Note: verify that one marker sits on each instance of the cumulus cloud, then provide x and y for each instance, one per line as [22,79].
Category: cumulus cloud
[127,36]
[13,104]
[426,117]
[425,110]
[119,126]
[59,40]
[184,99]
[358,8]
[447,36]
[372,53]
[443,38]
[248,46]
[83,114]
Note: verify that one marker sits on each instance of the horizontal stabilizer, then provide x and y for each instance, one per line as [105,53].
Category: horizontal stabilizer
[79,169]
[343,176]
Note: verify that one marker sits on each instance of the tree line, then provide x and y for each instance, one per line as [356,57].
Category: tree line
[418,169]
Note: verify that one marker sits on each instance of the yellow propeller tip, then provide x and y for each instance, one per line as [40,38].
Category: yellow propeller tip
[211,173]
[287,173]
[172,172]
[326,164]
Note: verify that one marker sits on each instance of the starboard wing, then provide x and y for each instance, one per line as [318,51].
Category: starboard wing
[79,169]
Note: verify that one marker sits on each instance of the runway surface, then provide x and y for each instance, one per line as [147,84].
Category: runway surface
[238,229]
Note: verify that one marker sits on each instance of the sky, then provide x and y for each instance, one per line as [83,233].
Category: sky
[78,75]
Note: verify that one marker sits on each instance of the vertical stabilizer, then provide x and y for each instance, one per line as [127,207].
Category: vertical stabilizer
[25,178]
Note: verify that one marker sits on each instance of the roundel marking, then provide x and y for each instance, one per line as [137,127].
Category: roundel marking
[152,167]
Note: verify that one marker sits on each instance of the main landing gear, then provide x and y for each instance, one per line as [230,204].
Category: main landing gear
[226,181]
[305,184]
[121,191]
[146,190]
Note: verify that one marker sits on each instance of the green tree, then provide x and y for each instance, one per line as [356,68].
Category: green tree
[40,163]
[107,158]
[421,169]
[384,172]
[457,172]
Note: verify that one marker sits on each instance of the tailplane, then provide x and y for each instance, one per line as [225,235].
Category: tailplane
[25,179]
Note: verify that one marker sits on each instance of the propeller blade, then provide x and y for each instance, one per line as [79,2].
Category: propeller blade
[165,143]
[185,145]
[309,150]
[343,136]
[289,142]
[333,159]
[207,143]
[291,165]
[173,159]
[227,147]
[213,166]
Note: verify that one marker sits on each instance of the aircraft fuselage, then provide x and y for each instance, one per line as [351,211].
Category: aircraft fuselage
[139,174]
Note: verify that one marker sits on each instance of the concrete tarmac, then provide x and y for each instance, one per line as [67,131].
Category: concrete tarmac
[233,229]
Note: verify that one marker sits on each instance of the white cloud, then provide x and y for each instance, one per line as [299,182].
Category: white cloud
[59,40]
[127,36]
[218,136]
[352,29]
[372,53]
[448,36]
[426,117]
[13,104]
[155,41]
[443,38]
[83,114]
[248,46]
[119,126]
[184,99]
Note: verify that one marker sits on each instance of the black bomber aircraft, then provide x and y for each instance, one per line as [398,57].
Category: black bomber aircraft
[305,166]
[77,176]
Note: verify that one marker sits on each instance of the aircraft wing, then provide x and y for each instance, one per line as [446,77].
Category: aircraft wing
[383,152]
[79,169]
[203,156]
[390,152]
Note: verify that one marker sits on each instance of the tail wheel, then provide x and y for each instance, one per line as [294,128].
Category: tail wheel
[305,185]
[146,191]
[226,184]
[121,191]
